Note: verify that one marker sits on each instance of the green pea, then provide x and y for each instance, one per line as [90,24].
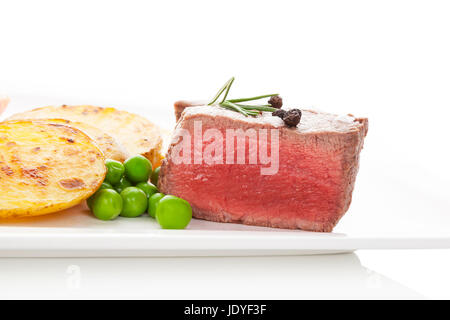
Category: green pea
[90,200]
[134,202]
[115,171]
[153,203]
[123,183]
[107,204]
[105,185]
[148,188]
[173,213]
[155,176]
[138,169]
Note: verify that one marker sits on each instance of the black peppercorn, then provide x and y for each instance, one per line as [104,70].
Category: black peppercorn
[279,113]
[276,102]
[292,117]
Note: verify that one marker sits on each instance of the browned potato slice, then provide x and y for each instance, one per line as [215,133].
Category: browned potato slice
[136,134]
[107,144]
[46,167]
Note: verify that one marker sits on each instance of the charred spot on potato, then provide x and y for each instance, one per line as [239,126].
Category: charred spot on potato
[42,182]
[31,173]
[69,140]
[56,125]
[72,184]
[35,174]
[7,170]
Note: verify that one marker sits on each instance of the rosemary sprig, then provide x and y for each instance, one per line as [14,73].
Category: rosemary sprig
[232,104]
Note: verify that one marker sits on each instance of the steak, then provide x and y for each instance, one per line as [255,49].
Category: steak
[307,185]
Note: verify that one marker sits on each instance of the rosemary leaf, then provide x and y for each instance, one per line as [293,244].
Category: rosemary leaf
[252,98]
[234,107]
[257,107]
[230,82]
[219,93]
[252,112]
[244,112]
[253,105]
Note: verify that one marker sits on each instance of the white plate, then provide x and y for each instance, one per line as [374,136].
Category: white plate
[394,207]
[75,232]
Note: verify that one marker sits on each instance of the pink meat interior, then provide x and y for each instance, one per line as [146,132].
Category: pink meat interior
[307,191]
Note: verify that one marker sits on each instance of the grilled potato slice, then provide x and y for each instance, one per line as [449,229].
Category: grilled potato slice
[107,144]
[46,167]
[134,133]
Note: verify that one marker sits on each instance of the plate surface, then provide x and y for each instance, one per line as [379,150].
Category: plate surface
[399,206]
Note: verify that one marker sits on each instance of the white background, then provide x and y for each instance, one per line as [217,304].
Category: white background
[387,60]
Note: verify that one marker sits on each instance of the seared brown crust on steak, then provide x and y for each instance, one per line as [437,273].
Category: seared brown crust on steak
[319,139]
[179,106]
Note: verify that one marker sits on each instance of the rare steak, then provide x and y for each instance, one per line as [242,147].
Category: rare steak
[257,171]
